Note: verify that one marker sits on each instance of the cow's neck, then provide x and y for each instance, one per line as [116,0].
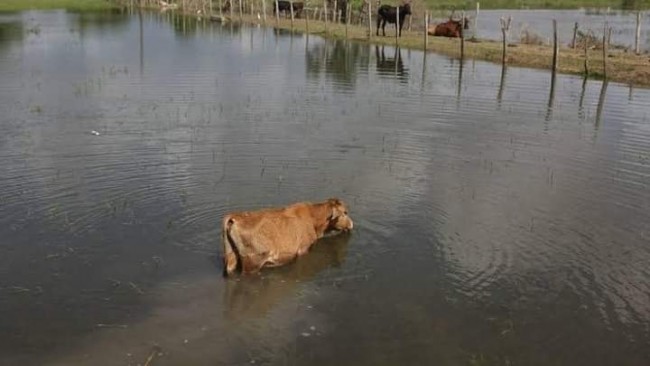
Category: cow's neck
[321,215]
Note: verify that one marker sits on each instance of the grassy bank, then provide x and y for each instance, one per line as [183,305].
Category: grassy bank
[78,5]
[622,67]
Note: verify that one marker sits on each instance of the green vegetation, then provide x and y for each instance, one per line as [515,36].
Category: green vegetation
[77,5]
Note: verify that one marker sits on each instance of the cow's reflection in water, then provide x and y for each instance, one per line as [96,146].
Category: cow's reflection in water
[390,65]
[253,296]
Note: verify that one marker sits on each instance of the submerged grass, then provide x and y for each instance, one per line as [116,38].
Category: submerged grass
[77,5]
[622,67]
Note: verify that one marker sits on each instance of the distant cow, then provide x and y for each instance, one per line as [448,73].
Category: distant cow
[451,28]
[285,6]
[273,237]
[387,13]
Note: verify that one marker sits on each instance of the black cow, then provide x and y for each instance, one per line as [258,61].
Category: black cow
[285,6]
[387,13]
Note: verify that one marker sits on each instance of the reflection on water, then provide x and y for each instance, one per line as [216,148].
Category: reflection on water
[507,230]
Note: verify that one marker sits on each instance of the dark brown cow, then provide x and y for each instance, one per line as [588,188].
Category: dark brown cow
[451,28]
[276,236]
[285,6]
[388,14]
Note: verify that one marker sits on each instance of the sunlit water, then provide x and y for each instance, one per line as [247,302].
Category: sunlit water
[496,222]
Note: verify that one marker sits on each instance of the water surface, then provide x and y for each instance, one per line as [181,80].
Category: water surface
[497,221]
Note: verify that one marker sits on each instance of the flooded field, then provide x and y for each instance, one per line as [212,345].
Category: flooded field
[498,221]
[540,23]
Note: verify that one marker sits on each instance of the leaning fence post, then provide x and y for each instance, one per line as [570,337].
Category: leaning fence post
[505,28]
[556,46]
[426,29]
[637,37]
[575,35]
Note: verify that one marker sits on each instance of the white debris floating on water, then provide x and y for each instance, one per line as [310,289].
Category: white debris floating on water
[93,132]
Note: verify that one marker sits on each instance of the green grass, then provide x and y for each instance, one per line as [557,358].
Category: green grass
[78,5]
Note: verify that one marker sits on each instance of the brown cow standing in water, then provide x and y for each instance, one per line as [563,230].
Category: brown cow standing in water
[451,28]
[275,236]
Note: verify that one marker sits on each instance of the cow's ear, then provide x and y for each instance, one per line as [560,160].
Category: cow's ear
[334,204]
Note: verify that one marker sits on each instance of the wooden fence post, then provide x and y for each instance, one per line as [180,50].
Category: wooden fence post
[369,19]
[306,19]
[347,18]
[556,46]
[291,10]
[325,8]
[277,14]
[264,10]
[397,26]
[586,42]
[606,30]
[336,13]
[637,37]
[240,11]
[575,35]
[462,36]
[478,7]
[505,28]
[426,29]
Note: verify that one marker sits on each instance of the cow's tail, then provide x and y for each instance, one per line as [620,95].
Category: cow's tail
[229,255]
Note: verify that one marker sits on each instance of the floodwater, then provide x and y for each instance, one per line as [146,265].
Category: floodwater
[540,23]
[498,221]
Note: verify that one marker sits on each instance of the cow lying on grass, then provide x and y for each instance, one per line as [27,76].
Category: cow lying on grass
[451,28]
[273,237]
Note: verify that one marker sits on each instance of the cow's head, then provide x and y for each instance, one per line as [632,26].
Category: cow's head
[338,219]
[405,9]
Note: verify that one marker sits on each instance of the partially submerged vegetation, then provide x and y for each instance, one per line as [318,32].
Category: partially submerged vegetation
[77,5]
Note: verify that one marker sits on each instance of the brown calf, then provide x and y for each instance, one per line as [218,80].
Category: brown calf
[275,236]
[451,28]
